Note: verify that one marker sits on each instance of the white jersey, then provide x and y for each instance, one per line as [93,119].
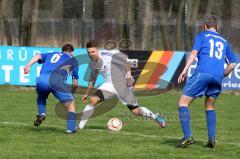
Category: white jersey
[111,66]
[103,64]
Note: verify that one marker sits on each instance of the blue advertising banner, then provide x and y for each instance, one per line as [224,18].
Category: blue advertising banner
[13,59]
[231,82]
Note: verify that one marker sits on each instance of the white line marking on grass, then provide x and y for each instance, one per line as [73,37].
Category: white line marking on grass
[12,123]
[102,130]
[95,130]
[27,124]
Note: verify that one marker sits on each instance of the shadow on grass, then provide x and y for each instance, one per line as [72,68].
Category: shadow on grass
[96,127]
[46,129]
[171,142]
[175,143]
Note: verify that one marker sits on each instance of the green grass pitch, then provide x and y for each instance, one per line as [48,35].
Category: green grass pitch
[140,138]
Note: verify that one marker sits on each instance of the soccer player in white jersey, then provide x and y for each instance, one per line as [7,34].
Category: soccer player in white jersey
[116,71]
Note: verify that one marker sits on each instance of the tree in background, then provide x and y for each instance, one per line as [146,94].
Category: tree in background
[149,24]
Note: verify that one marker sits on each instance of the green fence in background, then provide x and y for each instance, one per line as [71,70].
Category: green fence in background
[134,24]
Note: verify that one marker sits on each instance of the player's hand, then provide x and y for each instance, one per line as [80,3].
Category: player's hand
[84,98]
[182,76]
[130,81]
[26,69]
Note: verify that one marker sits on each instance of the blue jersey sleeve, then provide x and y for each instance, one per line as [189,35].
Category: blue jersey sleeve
[43,57]
[75,73]
[75,69]
[230,57]
[197,42]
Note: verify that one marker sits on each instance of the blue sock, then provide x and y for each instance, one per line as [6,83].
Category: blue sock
[211,123]
[71,121]
[41,102]
[184,117]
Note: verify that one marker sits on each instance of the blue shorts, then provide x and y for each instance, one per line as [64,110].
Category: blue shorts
[45,84]
[200,84]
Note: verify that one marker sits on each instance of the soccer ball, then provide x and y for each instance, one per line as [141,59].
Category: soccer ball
[114,124]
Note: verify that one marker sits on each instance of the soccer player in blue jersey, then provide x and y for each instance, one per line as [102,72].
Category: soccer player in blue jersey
[55,69]
[212,51]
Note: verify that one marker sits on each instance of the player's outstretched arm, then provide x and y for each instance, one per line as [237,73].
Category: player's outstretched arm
[230,60]
[91,83]
[190,59]
[89,88]
[229,69]
[31,62]
[75,77]
[74,85]
[130,79]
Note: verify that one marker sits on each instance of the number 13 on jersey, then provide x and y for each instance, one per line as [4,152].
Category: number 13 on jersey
[216,49]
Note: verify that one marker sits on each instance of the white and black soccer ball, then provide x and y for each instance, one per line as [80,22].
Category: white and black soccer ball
[114,124]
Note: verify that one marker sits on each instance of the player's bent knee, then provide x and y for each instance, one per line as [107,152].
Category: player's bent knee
[134,109]
[94,100]
[71,109]
[131,107]
[209,107]
[185,101]
[182,103]
[210,103]
[69,106]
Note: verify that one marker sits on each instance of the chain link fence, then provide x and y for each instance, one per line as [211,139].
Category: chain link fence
[147,24]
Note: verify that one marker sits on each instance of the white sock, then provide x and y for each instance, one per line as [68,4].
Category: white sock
[147,113]
[87,113]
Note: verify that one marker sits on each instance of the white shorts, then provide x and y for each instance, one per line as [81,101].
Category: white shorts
[125,94]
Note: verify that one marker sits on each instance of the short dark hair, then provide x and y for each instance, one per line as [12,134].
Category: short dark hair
[211,21]
[91,43]
[67,48]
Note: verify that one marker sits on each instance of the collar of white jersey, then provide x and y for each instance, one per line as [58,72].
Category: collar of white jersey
[108,52]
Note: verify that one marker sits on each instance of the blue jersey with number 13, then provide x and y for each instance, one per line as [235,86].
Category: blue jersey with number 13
[213,51]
